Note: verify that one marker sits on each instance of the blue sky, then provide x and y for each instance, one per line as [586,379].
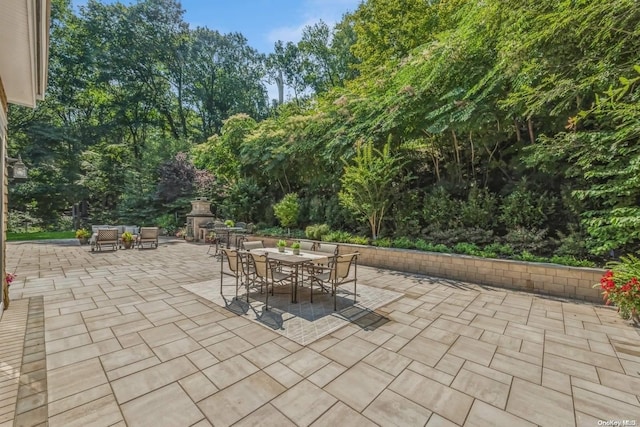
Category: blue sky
[262,22]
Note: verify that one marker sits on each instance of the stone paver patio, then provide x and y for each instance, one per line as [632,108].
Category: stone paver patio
[114,339]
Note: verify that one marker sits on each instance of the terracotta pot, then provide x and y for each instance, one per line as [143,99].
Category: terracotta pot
[128,245]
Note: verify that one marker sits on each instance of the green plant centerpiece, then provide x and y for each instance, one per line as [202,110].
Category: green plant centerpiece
[295,246]
[229,223]
[281,245]
[127,239]
[83,235]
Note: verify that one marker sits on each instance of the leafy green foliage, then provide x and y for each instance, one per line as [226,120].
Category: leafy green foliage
[466,248]
[370,183]
[403,242]
[287,210]
[523,239]
[337,236]
[317,231]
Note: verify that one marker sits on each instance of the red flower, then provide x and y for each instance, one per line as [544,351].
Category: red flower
[10,277]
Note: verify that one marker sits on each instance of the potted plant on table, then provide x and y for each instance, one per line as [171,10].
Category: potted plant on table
[83,236]
[127,239]
[295,246]
[281,245]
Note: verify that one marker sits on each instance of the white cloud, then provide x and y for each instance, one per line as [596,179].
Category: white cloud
[329,11]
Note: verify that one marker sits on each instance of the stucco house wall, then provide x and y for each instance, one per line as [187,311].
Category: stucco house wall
[24,63]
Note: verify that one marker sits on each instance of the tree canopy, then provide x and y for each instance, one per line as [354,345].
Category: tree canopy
[516,120]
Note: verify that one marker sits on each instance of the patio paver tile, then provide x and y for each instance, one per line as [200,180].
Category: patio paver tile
[157,376]
[78,354]
[305,362]
[168,406]
[241,399]
[198,386]
[232,370]
[424,350]
[86,396]
[266,416]
[550,406]
[159,335]
[359,385]
[387,361]
[283,374]
[486,389]
[103,411]
[176,348]
[474,350]
[558,381]
[229,347]
[441,399]
[517,368]
[304,402]
[391,409]
[266,354]
[76,378]
[341,414]
[484,415]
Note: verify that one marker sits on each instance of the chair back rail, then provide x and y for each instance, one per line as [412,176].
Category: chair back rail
[254,244]
[327,248]
[342,266]
[307,245]
[339,274]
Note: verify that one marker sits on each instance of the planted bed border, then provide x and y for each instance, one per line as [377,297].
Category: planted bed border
[542,278]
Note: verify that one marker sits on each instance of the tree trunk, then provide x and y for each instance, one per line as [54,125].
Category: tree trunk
[532,137]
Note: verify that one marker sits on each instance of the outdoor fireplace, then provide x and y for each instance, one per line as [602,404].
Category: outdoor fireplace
[198,219]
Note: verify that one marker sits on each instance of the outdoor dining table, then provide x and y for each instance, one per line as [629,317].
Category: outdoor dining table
[288,259]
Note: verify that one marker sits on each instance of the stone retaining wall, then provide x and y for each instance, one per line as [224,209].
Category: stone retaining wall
[550,279]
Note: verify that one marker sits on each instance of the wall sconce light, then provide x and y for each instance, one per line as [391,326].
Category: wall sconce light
[18,170]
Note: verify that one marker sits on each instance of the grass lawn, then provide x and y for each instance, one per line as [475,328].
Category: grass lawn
[41,235]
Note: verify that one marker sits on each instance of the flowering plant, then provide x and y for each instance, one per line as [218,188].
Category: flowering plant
[10,277]
[621,287]
[82,233]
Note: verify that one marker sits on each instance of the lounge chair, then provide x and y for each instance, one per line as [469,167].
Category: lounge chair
[148,235]
[106,236]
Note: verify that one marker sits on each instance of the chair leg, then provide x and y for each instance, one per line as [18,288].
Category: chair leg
[354,293]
